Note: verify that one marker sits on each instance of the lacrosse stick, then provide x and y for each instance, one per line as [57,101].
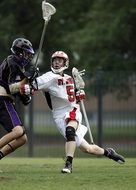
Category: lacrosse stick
[47,11]
[77,75]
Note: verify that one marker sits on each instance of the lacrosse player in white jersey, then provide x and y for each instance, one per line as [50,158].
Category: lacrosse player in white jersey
[62,99]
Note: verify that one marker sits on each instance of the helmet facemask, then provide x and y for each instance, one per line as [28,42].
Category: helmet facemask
[23,49]
[28,55]
[60,54]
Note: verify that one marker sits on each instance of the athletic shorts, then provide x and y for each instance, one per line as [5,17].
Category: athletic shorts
[73,114]
[8,115]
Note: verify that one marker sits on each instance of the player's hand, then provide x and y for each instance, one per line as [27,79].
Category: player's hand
[34,75]
[26,89]
[80,95]
[25,99]
[31,73]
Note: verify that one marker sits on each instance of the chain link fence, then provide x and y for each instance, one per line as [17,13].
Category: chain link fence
[111,108]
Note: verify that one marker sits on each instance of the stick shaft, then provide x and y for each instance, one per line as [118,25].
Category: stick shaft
[41,42]
[86,121]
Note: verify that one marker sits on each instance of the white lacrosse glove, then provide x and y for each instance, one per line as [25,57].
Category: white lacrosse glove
[80,95]
[26,89]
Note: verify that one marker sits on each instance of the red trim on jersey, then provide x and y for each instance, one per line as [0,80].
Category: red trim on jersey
[72,115]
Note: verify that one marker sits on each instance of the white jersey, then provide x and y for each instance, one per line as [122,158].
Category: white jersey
[61,90]
[64,107]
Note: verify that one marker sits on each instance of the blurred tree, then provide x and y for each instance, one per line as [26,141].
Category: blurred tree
[18,19]
[104,35]
[95,34]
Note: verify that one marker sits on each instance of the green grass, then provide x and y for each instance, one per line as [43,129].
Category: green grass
[88,174]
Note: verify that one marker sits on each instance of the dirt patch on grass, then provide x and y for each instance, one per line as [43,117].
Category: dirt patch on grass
[4,178]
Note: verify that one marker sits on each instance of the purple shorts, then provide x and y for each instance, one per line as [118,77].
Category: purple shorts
[8,114]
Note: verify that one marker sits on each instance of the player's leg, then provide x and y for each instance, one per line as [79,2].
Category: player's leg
[70,145]
[68,127]
[112,154]
[16,132]
[13,145]
[94,149]
[91,148]
[11,122]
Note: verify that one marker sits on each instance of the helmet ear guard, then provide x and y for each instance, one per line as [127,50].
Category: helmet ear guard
[63,55]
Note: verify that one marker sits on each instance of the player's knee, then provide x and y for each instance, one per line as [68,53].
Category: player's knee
[70,133]
[23,139]
[19,131]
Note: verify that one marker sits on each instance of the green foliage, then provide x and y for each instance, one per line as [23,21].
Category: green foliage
[95,34]
[107,38]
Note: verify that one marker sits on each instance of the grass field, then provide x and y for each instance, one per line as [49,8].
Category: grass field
[88,174]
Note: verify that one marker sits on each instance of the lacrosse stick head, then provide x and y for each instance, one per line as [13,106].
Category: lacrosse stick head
[77,75]
[48,10]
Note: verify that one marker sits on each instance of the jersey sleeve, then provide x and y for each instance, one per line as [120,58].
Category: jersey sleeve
[44,81]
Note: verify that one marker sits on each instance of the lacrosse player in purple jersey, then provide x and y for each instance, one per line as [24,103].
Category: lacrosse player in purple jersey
[62,98]
[13,70]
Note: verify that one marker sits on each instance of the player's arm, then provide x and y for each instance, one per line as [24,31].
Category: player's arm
[42,82]
[15,87]
[25,86]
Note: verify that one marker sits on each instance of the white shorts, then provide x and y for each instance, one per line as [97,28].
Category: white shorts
[81,130]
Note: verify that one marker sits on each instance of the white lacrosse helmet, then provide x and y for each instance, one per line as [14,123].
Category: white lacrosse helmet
[63,55]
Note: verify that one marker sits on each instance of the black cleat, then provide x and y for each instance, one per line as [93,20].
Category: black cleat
[114,156]
[67,168]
